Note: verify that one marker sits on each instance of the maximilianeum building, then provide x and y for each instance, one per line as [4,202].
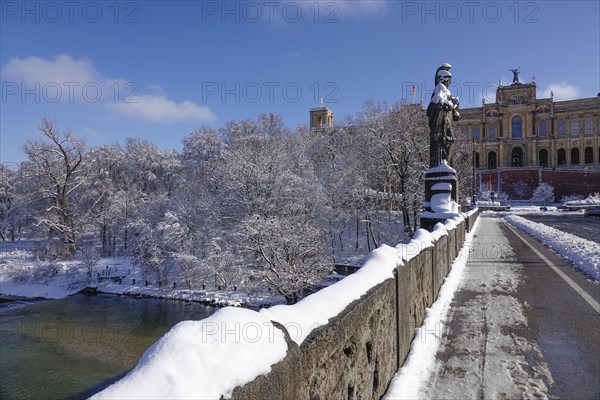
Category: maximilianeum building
[521,141]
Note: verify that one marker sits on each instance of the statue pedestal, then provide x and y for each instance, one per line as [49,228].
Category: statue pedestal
[441,196]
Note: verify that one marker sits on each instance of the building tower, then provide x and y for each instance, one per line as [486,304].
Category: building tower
[321,117]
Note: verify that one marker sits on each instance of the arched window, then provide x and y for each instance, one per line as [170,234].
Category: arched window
[588,155]
[562,157]
[543,129]
[492,164]
[516,157]
[543,158]
[574,126]
[574,155]
[517,127]
[561,127]
[588,128]
[475,133]
[492,132]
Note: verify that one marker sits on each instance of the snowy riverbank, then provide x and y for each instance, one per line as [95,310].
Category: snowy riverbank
[23,277]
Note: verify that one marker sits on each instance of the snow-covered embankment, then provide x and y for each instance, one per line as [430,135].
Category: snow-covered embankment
[584,254]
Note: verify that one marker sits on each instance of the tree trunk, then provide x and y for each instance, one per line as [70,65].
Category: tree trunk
[103,239]
[357,229]
[368,228]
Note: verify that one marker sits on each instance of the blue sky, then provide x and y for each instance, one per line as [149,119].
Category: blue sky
[110,70]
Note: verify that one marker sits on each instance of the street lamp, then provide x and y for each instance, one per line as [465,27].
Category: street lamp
[474,183]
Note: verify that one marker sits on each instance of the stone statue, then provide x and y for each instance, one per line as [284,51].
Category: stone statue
[442,110]
[515,75]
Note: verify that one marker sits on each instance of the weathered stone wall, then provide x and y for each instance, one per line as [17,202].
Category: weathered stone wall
[354,354]
[441,262]
[358,352]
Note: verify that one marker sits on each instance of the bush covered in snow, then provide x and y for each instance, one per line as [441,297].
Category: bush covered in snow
[20,274]
[571,197]
[22,268]
[78,276]
[45,273]
[593,199]
[15,266]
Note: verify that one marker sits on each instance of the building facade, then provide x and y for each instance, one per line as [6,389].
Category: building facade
[521,141]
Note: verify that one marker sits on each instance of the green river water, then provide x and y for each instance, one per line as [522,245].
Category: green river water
[73,347]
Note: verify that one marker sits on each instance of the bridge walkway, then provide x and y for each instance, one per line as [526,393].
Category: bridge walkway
[523,324]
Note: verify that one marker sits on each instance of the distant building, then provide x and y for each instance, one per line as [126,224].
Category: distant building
[321,118]
[521,141]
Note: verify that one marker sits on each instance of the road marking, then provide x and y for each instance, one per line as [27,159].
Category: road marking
[595,305]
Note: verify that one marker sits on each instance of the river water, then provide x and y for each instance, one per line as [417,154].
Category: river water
[74,347]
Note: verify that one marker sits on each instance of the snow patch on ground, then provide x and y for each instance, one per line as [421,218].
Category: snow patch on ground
[20,277]
[34,290]
[584,254]
[589,201]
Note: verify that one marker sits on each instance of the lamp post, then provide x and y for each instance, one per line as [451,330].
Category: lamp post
[474,186]
[498,181]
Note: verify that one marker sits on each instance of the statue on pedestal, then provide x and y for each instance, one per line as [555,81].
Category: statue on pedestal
[441,184]
[442,110]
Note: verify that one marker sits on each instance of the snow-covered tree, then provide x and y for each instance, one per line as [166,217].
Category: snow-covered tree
[544,193]
[333,155]
[266,207]
[398,150]
[55,169]
[110,215]
[13,213]
[248,204]
[463,164]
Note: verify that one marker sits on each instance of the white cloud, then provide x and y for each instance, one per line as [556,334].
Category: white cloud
[361,7]
[156,89]
[67,79]
[60,69]
[331,10]
[157,108]
[562,91]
